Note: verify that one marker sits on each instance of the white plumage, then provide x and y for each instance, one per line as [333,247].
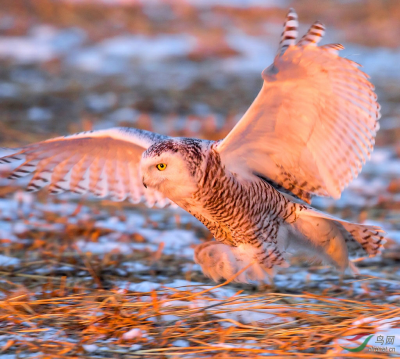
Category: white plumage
[308,132]
[313,124]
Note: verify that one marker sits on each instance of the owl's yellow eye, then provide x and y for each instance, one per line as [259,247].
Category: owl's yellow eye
[161,166]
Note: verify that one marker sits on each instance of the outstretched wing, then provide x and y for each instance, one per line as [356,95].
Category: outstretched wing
[104,163]
[313,124]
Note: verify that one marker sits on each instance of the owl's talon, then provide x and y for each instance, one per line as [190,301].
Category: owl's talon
[221,261]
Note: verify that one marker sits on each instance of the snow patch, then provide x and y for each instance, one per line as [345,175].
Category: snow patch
[8,261]
[132,334]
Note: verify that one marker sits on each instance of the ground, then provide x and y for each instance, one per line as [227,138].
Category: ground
[81,277]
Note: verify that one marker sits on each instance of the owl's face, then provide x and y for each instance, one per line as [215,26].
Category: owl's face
[165,168]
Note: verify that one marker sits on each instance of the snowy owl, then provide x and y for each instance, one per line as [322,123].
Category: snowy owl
[308,132]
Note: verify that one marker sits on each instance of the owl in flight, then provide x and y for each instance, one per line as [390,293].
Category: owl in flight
[308,132]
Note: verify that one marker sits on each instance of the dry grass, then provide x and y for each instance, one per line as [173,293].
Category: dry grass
[88,315]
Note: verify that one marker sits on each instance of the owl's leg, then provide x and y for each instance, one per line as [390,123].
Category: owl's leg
[216,260]
[219,260]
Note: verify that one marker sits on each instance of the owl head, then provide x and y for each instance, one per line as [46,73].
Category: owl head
[173,167]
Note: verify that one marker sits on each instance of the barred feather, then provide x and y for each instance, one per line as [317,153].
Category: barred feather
[104,163]
[314,35]
[289,34]
[333,48]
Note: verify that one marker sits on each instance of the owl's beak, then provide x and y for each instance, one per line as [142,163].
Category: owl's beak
[144,184]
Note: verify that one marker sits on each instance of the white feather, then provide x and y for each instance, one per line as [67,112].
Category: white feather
[314,118]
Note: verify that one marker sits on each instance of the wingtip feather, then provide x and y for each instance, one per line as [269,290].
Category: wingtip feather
[314,34]
[289,34]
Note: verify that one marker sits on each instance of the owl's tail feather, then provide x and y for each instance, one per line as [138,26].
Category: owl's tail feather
[335,240]
[362,239]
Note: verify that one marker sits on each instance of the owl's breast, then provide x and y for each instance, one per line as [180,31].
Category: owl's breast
[231,207]
[221,230]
